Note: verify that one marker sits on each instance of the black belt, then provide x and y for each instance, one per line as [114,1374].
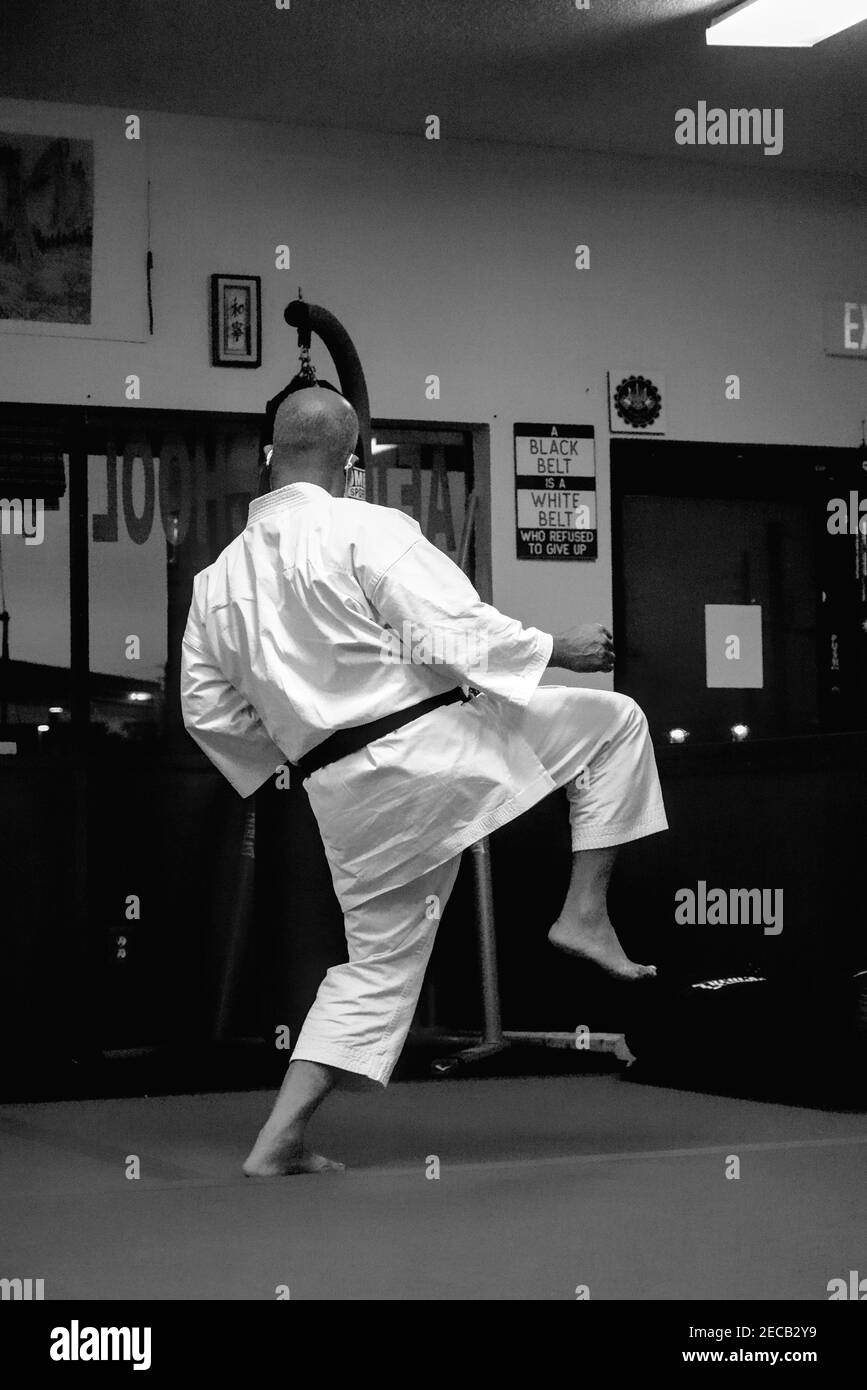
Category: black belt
[346,741]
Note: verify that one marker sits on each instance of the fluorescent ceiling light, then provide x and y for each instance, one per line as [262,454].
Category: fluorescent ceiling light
[785,23]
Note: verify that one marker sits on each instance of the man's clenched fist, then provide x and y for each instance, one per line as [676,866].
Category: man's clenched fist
[587,648]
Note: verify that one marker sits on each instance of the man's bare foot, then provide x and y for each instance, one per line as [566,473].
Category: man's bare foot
[304,1163]
[598,944]
[282,1156]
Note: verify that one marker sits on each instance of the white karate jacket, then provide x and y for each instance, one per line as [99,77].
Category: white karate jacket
[330,612]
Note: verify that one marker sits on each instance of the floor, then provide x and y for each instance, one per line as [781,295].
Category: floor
[546,1186]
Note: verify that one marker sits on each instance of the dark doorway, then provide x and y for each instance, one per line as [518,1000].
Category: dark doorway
[697,524]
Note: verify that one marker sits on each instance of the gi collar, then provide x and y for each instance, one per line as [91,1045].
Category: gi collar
[293,495]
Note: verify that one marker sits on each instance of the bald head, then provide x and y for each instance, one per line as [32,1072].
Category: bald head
[315,431]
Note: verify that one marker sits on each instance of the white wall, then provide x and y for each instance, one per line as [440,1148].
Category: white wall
[457,259]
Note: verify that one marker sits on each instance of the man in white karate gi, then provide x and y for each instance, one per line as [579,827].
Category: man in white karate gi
[323,625]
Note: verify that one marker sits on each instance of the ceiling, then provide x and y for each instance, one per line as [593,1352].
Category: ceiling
[536,72]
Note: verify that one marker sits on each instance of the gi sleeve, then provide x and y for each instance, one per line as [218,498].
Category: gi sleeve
[221,721]
[430,604]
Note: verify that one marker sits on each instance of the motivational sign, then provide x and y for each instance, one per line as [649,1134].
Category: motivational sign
[555,492]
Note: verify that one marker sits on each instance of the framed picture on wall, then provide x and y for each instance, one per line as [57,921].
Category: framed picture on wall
[73,225]
[46,228]
[236,321]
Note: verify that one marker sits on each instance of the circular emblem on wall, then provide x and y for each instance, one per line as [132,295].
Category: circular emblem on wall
[637,401]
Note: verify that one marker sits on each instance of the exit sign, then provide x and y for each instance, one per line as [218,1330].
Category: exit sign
[846,327]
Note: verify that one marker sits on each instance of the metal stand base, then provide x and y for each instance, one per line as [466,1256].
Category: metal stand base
[494,1039]
[479,1050]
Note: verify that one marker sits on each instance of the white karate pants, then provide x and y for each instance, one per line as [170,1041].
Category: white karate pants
[593,742]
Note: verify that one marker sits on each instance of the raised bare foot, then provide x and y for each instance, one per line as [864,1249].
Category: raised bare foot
[598,944]
[279,1157]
